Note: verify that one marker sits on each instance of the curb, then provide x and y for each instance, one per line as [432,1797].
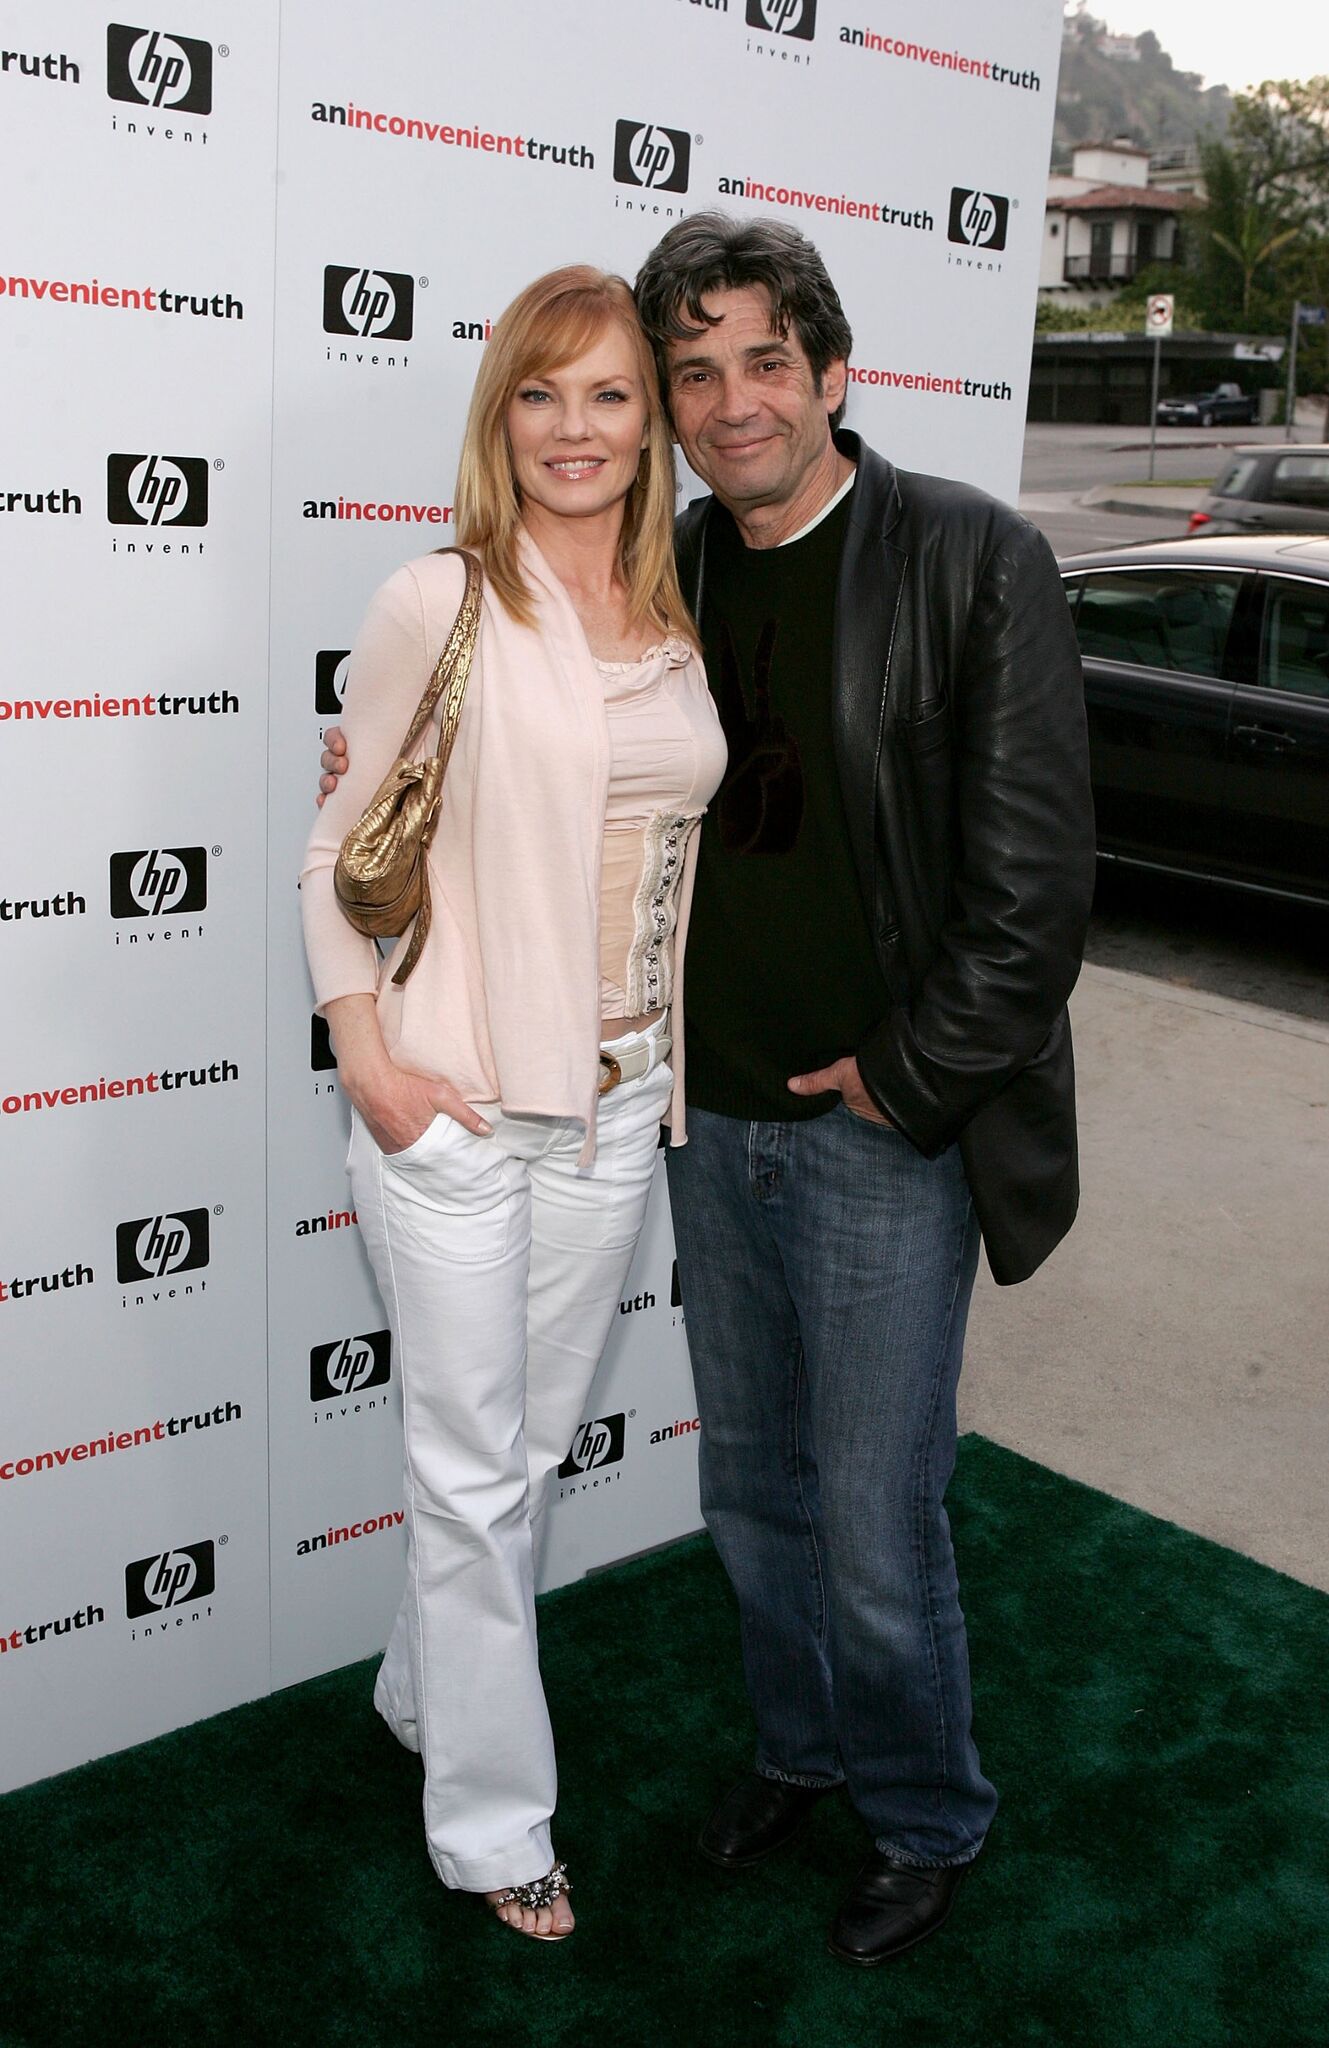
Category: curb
[1171,503]
[1151,988]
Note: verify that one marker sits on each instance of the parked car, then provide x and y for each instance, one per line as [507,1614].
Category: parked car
[1272,490]
[1206,666]
[1207,408]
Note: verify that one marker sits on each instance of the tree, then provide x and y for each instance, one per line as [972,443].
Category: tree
[1252,247]
[1280,133]
[1280,138]
[1243,242]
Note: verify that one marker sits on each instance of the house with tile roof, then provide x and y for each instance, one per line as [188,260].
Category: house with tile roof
[1105,222]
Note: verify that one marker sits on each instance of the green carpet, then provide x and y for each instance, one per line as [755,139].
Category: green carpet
[1150,1705]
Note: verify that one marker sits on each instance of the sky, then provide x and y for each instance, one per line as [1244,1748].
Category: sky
[1231,42]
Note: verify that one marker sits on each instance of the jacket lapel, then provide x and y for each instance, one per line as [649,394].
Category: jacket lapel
[690,553]
[867,605]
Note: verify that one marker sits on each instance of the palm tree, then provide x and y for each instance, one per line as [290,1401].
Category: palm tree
[1253,246]
[1237,221]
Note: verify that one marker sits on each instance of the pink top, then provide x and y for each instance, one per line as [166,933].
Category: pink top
[505,998]
[667,755]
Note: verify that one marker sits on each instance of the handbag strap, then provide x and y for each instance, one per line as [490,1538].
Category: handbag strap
[453,667]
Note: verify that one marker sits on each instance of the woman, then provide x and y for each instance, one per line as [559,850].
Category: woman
[507,1100]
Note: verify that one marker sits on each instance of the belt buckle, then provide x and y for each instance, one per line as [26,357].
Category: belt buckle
[612,1074]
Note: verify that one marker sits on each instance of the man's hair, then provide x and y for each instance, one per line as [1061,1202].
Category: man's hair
[711,252]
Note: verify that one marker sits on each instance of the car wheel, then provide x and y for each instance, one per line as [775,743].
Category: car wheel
[1206,419]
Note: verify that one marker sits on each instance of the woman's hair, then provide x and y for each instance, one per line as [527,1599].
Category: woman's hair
[712,252]
[547,326]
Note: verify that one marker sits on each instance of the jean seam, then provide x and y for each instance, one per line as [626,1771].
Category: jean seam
[775,1777]
[823,1606]
[920,1502]
[921,1863]
[794,1386]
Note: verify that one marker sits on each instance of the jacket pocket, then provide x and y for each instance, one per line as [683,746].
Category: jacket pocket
[923,735]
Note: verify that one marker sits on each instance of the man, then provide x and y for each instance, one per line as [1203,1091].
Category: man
[892,891]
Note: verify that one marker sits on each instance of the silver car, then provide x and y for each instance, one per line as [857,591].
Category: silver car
[1279,489]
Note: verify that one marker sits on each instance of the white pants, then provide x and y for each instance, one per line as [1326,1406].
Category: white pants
[501,1265]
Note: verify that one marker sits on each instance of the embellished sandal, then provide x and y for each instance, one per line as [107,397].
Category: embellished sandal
[541,1892]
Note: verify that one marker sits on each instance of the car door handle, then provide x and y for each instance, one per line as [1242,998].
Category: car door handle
[1268,738]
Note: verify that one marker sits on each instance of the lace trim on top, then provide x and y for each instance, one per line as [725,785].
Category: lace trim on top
[674,649]
[649,981]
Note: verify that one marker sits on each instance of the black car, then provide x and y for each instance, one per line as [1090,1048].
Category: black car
[1224,403]
[1280,489]
[1206,667]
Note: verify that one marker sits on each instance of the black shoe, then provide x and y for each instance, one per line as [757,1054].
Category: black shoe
[757,1816]
[890,1906]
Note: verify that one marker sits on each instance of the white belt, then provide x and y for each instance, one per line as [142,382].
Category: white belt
[636,1062]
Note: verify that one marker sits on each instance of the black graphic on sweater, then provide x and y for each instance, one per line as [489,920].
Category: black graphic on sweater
[760,805]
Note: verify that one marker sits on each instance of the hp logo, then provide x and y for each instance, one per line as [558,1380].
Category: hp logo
[374,305]
[646,154]
[162,881]
[978,218]
[170,1579]
[157,490]
[150,1247]
[152,69]
[784,17]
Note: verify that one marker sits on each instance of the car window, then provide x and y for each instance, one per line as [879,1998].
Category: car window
[1294,646]
[1072,586]
[1238,477]
[1300,480]
[1164,618]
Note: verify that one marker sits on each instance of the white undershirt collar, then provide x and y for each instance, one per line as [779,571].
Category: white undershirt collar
[824,513]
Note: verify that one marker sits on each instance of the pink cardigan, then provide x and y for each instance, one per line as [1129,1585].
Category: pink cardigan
[504,1000]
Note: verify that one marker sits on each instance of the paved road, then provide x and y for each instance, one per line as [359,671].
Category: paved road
[1061,463]
[1219,940]
[1224,941]
[1074,529]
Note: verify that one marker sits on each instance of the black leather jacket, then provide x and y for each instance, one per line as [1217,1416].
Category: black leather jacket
[960,735]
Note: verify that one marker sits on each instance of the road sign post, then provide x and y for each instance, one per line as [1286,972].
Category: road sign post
[1158,322]
[1302,316]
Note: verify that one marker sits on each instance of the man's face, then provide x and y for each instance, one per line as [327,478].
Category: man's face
[745,404]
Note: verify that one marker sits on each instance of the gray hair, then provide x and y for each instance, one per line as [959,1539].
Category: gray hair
[712,252]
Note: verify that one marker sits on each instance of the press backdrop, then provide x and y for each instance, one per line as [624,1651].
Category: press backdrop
[251,257]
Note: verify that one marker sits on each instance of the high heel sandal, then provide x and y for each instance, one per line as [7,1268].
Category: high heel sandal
[543,1891]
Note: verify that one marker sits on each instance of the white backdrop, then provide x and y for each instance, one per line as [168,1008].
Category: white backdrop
[251,255]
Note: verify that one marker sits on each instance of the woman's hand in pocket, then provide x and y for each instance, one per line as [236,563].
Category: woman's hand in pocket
[398,1106]
[395,1104]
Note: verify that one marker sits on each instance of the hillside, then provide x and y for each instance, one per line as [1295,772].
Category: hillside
[1102,95]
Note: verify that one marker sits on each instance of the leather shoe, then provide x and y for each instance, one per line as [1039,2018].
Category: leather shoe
[756,1816]
[890,1906]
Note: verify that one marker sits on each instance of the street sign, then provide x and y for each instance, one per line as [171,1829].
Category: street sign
[1309,316]
[1158,315]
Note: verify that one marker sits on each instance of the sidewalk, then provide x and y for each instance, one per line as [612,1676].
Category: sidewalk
[1153,500]
[1174,1350]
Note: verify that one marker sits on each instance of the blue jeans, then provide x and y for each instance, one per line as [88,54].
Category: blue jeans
[826,1269]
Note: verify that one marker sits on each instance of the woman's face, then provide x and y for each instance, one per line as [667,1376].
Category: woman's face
[577,433]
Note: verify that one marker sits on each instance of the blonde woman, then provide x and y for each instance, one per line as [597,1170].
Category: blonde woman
[507,1100]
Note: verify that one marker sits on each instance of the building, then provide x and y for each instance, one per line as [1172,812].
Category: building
[1105,378]
[1177,169]
[1105,222]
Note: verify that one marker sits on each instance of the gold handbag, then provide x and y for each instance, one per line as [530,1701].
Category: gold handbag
[381,877]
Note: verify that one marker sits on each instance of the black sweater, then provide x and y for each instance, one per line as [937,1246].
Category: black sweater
[782,976]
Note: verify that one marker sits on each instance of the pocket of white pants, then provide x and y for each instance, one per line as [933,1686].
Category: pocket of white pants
[418,1145]
[451,1187]
[629,1142]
